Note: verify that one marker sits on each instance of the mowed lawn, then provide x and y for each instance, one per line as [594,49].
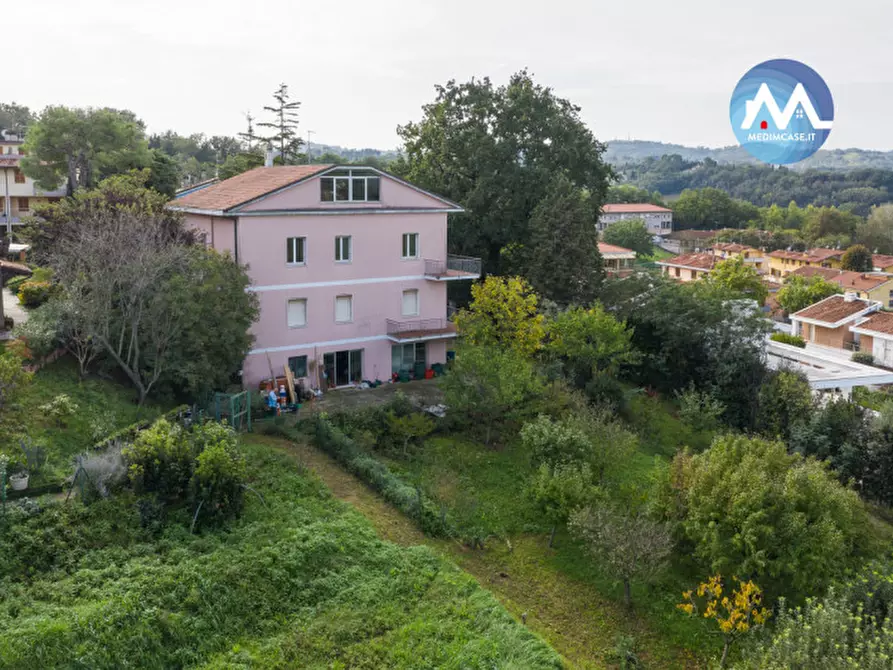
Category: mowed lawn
[301,580]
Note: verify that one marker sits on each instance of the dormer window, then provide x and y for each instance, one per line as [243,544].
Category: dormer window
[350,185]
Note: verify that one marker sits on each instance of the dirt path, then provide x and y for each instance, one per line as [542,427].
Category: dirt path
[552,604]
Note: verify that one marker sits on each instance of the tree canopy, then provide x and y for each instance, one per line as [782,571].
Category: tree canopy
[739,279]
[800,292]
[630,234]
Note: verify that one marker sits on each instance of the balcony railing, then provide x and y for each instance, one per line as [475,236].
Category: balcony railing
[454,267]
[417,329]
[849,345]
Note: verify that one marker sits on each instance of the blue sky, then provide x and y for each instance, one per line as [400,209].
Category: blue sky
[646,70]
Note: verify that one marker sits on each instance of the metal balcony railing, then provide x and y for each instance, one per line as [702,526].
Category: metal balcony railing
[394,327]
[457,266]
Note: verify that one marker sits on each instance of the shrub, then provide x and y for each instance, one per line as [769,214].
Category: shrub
[863,357]
[35,293]
[15,283]
[43,329]
[98,475]
[8,322]
[60,408]
[220,473]
[787,338]
[605,390]
[160,460]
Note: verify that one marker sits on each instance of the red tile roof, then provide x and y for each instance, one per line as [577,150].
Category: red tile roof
[811,256]
[613,249]
[627,208]
[861,281]
[699,261]
[881,261]
[879,322]
[834,309]
[731,246]
[247,186]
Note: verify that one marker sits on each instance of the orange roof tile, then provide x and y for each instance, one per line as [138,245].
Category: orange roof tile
[632,208]
[879,322]
[605,248]
[881,261]
[700,261]
[861,281]
[247,186]
[834,309]
[812,255]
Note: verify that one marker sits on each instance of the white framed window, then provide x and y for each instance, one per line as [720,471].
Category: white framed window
[342,249]
[295,250]
[297,312]
[344,309]
[410,245]
[350,185]
[411,302]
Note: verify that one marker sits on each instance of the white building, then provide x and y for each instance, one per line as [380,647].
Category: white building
[18,193]
[658,220]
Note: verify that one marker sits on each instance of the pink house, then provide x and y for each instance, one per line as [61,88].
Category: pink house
[350,265]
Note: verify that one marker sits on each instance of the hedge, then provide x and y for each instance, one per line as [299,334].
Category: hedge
[131,431]
[785,338]
[862,357]
[408,499]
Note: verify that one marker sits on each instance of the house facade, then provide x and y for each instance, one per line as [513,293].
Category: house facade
[782,262]
[18,194]
[828,322]
[874,335]
[749,255]
[688,267]
[618,261]
[658,220]
[349,264]
[882,263]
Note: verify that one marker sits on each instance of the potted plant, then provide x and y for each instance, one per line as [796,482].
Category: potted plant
[18,481]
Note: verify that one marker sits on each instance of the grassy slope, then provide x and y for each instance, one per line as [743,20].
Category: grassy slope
[103,407]
[300,581]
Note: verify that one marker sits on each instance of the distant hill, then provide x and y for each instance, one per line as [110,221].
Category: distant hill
[621,152]
[353,154]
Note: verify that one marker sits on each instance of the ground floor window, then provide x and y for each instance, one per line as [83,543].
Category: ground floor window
[404,357]
[298,365]
[343,367]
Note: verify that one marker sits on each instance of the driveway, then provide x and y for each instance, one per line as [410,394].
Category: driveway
[11,307]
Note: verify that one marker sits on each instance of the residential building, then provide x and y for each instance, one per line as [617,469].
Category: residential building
[688,267]
[658,220]
[881,263]
[350,265]
[618,261]
[876,286]
[18,193]
[828,321]
[782,262]
[688,241]
[874,335]
[750,255]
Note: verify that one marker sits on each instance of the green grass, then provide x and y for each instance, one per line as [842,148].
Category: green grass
[103,406]
[657,254]
[301,580]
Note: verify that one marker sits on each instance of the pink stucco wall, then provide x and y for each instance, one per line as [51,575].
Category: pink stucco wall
[375,277]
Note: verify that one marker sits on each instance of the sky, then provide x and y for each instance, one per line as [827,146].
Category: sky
[653,70]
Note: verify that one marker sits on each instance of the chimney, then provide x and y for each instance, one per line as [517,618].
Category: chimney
[268,157]
[849,296]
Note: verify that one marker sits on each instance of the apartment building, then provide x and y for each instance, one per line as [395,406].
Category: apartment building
[18,193]
[350,265]
[658,220]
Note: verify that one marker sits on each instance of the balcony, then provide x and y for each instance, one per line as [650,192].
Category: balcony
[420,330]
[453,268]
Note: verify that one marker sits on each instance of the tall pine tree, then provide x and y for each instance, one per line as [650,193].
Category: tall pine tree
[284,125]
[563,261]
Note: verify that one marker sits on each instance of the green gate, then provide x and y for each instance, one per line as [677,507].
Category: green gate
[234,409]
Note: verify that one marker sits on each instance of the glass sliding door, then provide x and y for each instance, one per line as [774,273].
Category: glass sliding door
[343,367]
[405,356]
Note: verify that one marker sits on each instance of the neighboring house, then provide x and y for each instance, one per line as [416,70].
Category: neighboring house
[782,262]
[881,263]
[688,241]
[875,286]
[828,321]
[350,265]
[18,193]
[658,220]
[750,255]
[618,261]
[874,335]
[688,267]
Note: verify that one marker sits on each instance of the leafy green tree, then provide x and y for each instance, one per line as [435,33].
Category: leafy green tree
[589,342]
[750,508]
[627,193]
[631,234]
[823,222]
[164,174]
[711,209]
[284,125]
[15,117]
[563,261]
[738,279]
[82,146]
[877,232]
[800,292]
[785,401]
[13,382]
[495,151]
[239,163]
[410,428]
[503,313]
[488,386]
[560,489]
[857,258]
[629,543]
